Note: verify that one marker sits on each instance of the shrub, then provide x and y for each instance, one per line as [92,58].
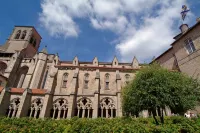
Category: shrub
[99,125]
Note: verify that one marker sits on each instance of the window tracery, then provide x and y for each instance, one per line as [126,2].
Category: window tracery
[13,107]
[107,108]
[36,107]
[60,109]
[84,108]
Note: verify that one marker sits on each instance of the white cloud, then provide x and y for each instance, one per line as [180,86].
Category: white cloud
[144,27]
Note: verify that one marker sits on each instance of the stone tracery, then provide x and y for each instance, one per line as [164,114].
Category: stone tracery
[84,108]
[60,108]
[13,107]
[107,108]
[36,107]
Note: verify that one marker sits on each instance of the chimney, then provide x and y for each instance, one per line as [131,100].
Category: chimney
[198,19]
[184,28]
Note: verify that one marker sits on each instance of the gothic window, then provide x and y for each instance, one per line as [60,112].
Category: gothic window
[60,109]
[127,78]
[107,108]
[189,45]
[64,83]
[86,80]
[13,107]
[23,34]
[18,34]
[45,77]
[21,74]
[84,108]
[36,107]
[107,76]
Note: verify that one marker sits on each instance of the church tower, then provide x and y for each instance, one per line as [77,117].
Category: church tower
[22,37]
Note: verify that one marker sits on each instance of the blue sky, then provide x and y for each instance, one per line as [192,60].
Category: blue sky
[102,28]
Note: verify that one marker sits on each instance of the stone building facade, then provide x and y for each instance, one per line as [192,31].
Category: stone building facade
[184,53]
[38,84]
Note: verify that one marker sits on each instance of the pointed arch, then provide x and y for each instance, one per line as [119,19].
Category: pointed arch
[107,108]
[60,108]
[84,108]
[36,107]
[13,107]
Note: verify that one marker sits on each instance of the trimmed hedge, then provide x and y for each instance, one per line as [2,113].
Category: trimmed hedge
[100,125]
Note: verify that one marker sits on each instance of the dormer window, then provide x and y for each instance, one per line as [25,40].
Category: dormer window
[23,35]
[189,45]
[18,34]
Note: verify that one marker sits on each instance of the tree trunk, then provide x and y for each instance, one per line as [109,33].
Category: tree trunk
[154,116]
[162,117]
[160,113]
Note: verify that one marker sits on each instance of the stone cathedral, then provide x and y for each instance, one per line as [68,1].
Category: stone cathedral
[38,84]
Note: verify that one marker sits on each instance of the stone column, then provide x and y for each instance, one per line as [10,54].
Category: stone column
[119,108]
[106,113]
[96,95]
[4,100]
[72,98]
[24,104]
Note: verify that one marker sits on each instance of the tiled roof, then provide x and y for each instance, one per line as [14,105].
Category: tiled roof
[38,91]
[16,90]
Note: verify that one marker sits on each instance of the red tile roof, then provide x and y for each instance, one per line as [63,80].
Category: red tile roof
[38,91]
[16,90]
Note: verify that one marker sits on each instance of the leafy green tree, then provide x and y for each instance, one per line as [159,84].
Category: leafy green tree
[156,88]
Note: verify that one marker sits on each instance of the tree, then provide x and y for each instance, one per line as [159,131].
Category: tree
[156,88]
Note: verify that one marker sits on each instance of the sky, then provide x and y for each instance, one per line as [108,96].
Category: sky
[101,28]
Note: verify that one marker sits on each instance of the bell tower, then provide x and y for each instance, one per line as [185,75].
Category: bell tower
[23,37]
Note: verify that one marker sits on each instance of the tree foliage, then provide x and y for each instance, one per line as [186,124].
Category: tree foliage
[156,88]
